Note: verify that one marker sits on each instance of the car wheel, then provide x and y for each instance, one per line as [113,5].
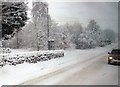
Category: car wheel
[109,62]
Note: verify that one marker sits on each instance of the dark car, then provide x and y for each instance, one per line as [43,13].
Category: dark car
[114,56]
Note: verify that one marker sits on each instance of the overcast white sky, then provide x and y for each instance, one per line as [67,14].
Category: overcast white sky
[105,13]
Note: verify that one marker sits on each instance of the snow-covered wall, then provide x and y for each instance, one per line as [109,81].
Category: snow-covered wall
[29,57]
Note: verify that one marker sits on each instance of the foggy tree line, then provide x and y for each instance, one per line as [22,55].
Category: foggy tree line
[68,36]
[75,36]
[34,34]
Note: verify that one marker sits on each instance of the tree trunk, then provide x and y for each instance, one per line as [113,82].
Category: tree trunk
[38,48]
[17,40]
[3,42]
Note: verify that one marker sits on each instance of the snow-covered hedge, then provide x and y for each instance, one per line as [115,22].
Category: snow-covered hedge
[29,57]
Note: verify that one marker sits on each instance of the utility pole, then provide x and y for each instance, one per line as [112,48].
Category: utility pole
[37,36]
[48,28]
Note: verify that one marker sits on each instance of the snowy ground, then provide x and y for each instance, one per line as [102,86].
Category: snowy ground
[22,74]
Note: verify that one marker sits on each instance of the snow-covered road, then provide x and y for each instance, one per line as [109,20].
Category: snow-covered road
[77,67]
[92,71]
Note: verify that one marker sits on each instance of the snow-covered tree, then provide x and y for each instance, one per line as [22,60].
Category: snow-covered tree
[61,35]
[0,28]
[91,37]
[14,16]
[75,30]
[65,37]
[94,31]
[110,36]
[34,34]
[53,29]
[40,19]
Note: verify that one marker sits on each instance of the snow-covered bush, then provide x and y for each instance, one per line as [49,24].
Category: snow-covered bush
[29,57]
[5,50]
[85,42]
